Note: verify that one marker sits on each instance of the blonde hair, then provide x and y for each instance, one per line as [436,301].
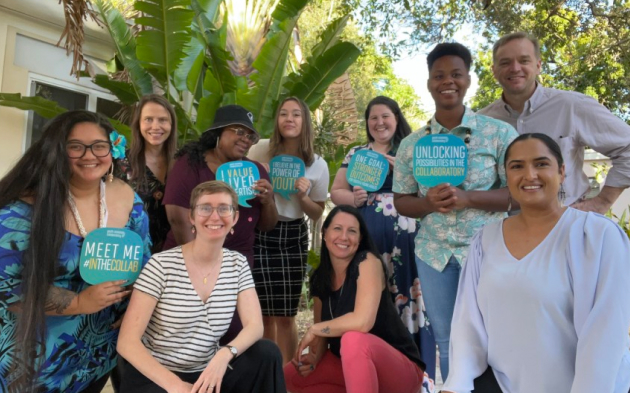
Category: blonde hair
[209,188]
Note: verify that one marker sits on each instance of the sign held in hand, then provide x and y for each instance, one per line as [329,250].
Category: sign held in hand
[440,158]
[368,170]
[284,171]
[110,254]
[241,176]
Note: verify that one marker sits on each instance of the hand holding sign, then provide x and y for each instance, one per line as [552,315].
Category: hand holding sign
[368,170]
[285,170]
[242,177]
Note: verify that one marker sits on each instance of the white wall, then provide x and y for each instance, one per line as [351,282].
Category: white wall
[29,32]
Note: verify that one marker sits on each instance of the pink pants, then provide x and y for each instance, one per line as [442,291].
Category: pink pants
[367,365]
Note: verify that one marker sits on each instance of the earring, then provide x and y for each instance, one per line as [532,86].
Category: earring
[561,194]
[232,231]
[193,229]
[110,175]
[509,208]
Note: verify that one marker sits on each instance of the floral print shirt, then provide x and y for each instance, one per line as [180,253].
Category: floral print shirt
[442,235]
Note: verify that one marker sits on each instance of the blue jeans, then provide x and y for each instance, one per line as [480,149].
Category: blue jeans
[440,290]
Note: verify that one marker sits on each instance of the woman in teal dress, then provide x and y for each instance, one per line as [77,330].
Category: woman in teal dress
[58,333]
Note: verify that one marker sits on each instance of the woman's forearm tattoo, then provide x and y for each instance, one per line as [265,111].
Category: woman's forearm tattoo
[326,330]
[58,299]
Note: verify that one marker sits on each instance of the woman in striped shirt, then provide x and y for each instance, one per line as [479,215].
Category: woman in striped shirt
[182,305]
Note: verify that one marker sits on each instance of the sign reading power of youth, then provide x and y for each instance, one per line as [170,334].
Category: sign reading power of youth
[111,254]
[368,170]
[285,170]
[241,176]
[440,158]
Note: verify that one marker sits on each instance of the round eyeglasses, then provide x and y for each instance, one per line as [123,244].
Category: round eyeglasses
[205,210]
[78,149]
[245,133]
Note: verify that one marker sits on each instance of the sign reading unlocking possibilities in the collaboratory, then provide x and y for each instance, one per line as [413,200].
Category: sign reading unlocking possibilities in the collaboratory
[368,170]
[241,176]
[440,158]
[285,170]
[110,254]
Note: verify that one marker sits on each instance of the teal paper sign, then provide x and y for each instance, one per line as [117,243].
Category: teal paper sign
[110,254]
[368,170]
[241,176]
[440,158]
[284,171]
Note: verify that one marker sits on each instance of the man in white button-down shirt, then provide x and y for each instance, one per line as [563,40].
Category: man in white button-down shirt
[572,119]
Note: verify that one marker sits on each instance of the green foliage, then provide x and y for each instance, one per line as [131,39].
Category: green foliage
[623,221]
[179,47]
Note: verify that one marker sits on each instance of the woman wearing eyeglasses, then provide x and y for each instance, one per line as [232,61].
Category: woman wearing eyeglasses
[228,139]
[58,333]
[182,305]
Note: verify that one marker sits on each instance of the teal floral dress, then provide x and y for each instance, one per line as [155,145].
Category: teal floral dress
[393,235]
[79,348]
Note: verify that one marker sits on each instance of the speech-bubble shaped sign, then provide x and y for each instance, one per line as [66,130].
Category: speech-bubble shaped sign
[111,254]
[284,171]
[368,170]
[440,158]
[241,176]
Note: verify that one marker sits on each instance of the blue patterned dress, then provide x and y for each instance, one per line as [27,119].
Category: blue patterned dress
[394,236]
[79,348]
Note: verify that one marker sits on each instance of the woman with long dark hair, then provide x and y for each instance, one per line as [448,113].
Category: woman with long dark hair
[370,348]
[393,233]
[544,297]
[150,158]
[59,333]
[282,254]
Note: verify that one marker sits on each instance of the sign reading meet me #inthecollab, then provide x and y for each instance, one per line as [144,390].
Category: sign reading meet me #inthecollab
[440,158]
[110,254]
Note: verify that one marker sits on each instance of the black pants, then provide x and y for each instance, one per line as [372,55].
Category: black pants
[487,383]
[259,369]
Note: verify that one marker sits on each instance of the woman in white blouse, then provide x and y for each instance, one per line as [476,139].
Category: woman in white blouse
[544,297]
[183,303]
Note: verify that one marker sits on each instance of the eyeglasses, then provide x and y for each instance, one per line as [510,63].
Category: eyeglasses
[207,210]
[244,132]
[78,149]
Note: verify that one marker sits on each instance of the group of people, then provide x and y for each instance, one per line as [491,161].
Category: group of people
[403,268]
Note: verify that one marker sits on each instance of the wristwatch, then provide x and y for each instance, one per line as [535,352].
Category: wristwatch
[233,351]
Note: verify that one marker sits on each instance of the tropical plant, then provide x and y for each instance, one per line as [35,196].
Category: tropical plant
[180,48]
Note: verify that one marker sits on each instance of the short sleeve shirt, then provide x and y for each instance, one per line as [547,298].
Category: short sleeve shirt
[442,235]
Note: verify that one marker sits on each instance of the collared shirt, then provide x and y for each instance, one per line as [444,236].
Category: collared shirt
[574,120]
[444,234]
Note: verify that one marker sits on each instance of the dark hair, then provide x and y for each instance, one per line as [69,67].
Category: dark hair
[42,174]
[322,276]
[402,127]
[306,133]
[137,160]
[449,49]
[550,143]
[516,36]
[196,149]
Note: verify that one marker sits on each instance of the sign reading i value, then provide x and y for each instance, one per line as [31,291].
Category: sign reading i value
[440,158]
[111,254]
[368,170]
[285,170]
[241,176]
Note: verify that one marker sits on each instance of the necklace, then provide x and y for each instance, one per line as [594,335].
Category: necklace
[466,139]
[330,302]
[205,278]
[102,210]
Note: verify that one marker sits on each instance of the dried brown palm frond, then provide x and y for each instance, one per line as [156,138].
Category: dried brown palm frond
[76,12]
[340,97]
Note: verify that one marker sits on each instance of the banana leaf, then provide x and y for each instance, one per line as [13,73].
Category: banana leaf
[160,46]
[188,72]
[218,60]
[322,71]
[122,90]
[125,45]
[43,107]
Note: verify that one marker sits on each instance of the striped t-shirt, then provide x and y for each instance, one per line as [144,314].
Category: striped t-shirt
[183,333]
